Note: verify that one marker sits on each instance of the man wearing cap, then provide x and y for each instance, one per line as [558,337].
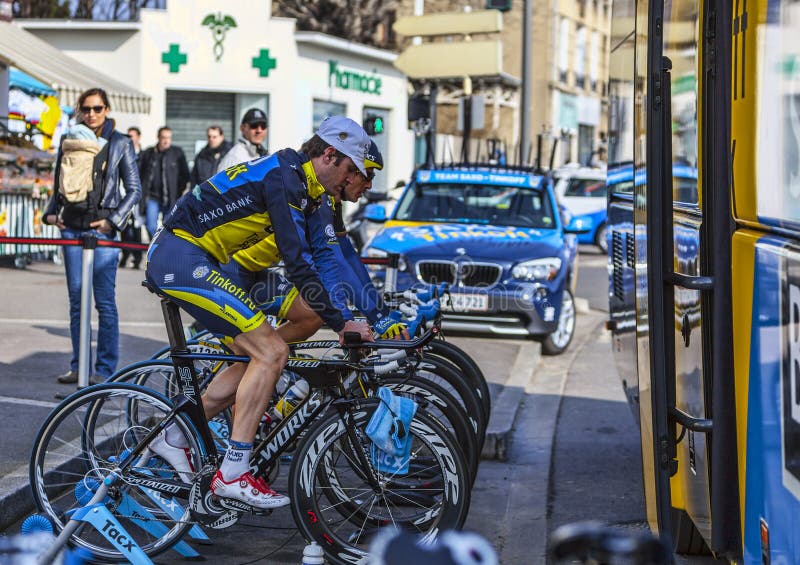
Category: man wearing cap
[350,282]
[254,130]
[273,199]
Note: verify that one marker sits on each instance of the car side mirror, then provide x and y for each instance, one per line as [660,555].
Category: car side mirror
[375,213]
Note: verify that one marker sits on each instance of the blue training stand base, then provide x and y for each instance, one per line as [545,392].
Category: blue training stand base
[104,522]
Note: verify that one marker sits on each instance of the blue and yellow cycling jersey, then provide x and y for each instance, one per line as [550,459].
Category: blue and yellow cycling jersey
[270,202]
[356,281]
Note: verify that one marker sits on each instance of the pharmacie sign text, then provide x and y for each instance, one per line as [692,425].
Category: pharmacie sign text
[352,80]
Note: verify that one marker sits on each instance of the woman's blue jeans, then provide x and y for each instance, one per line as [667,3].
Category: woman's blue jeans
[104,282]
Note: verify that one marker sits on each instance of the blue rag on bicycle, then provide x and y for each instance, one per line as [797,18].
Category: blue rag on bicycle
[390,432]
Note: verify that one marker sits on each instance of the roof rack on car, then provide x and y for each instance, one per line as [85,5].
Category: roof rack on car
[488,166]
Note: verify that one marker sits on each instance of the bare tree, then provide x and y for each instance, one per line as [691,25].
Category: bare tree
[41,9]
[363,21]
[84,9]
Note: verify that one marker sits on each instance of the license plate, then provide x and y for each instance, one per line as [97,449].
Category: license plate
[469,302]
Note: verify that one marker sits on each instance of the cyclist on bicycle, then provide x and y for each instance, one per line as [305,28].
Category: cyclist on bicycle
[277,297]
[274,199]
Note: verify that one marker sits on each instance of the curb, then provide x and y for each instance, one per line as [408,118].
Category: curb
[505,407]
[582,305]
[15,497]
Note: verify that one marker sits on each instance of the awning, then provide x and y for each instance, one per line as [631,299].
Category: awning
[26,83]
[64,74]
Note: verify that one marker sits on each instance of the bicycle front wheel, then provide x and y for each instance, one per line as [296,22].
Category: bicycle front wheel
[78,446]
[334,504]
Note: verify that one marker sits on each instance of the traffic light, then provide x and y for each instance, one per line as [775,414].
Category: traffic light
[419,107]
[373,125]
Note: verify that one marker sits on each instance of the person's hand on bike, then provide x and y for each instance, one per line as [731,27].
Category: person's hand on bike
[390,327]
[360,327]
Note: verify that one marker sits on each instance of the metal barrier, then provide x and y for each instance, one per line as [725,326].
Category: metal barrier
[21,216]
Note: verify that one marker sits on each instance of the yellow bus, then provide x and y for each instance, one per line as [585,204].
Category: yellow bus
[704,266]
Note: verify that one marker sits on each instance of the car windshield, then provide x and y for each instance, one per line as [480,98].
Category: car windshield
[477,204]
[587,188]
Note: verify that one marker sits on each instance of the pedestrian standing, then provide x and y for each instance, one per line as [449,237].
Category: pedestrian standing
[87,199]
[133,228]
[165,175]
[206,161]
[254,130]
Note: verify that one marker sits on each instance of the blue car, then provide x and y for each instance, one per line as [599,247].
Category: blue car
[582,191]
[496,236]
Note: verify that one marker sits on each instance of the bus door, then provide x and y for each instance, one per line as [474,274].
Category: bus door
[663,255]
[689,221]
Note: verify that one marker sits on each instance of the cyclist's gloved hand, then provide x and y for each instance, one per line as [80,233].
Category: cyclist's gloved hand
[390,328]
[396,315]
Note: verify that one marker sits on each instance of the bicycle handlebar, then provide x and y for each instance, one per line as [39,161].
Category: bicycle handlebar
[384,368]
[352,340]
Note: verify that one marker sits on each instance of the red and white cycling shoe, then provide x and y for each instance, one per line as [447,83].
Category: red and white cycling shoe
[248,489]
[177,457]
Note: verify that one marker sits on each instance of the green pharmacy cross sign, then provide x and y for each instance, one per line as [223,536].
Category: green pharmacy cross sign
[174,58]
[219,25]
[264,63]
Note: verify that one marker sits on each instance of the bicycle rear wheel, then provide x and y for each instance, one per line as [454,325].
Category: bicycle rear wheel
[159,376]
[333,504]
[78,446]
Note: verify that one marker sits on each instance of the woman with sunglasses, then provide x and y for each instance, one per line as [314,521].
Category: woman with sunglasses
[101,209]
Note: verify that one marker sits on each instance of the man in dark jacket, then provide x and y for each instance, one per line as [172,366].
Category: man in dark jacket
[205,163]
[165,174]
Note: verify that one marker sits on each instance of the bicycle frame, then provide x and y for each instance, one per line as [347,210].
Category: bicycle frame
[266,453]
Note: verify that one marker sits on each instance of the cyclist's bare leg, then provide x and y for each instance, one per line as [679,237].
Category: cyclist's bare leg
[302,322]
[268,354]
[221,393]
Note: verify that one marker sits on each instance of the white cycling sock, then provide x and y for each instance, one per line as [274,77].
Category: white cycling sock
[237,461]
[174,436]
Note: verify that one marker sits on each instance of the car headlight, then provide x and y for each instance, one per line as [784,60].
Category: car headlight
[379,254]
[537,269]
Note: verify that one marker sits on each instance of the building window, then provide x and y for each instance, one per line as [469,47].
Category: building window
[579,63]
[594,60]
[324,109]
[563,50]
